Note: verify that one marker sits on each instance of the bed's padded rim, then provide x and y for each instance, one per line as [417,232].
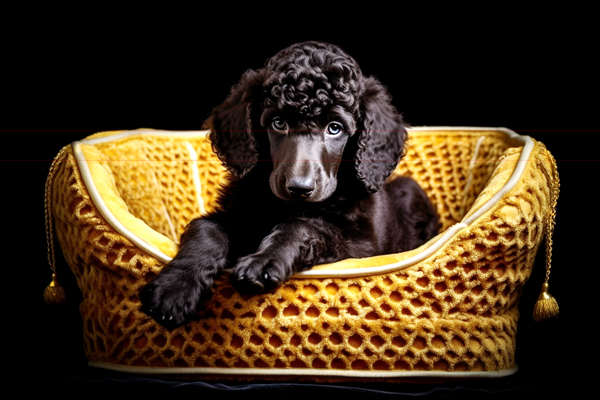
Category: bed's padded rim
[96,174]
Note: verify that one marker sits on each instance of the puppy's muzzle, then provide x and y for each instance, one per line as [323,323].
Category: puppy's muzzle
[300,187]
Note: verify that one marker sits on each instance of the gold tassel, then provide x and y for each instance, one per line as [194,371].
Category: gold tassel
[546,306]
[54,294]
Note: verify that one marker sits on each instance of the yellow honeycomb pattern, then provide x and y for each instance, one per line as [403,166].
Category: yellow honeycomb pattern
[455,311]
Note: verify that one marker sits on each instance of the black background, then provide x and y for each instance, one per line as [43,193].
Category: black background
[68,75]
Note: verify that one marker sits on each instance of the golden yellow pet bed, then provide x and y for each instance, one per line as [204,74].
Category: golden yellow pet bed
[120,200]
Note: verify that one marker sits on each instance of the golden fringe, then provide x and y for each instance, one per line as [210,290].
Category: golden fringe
[54,294]
[546,306]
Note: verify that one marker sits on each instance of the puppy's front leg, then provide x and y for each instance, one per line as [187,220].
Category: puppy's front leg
[172,298]
[289,248]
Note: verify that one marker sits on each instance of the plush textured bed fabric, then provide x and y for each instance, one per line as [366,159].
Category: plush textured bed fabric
[120,200]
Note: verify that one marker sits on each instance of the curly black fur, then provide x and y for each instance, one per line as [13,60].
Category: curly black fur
[309,142]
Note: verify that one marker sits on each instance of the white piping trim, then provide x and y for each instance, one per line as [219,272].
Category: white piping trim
[526,141]
[271,372]
[464,128]
[170,223]
[354,272]
[196,177]
[166,212]
[136,132]
[471,168]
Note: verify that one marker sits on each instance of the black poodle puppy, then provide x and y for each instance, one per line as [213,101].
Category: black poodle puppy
[309,143]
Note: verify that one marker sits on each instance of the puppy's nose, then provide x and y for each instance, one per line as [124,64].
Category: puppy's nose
[300,188]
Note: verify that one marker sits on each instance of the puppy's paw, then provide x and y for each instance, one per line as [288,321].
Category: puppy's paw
[172,298]
[258,273]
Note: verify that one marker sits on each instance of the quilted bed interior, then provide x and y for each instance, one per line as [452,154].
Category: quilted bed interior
[155,175]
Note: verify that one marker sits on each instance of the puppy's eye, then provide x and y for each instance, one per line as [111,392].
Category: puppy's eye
[335,128]
[279,124]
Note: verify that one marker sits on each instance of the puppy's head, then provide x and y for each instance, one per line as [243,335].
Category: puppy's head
[309,108]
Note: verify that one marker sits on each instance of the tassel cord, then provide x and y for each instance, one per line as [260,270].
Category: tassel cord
[54,293]
[546,306]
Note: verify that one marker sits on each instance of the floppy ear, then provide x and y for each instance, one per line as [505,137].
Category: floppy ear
[382,137]
[231,126]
